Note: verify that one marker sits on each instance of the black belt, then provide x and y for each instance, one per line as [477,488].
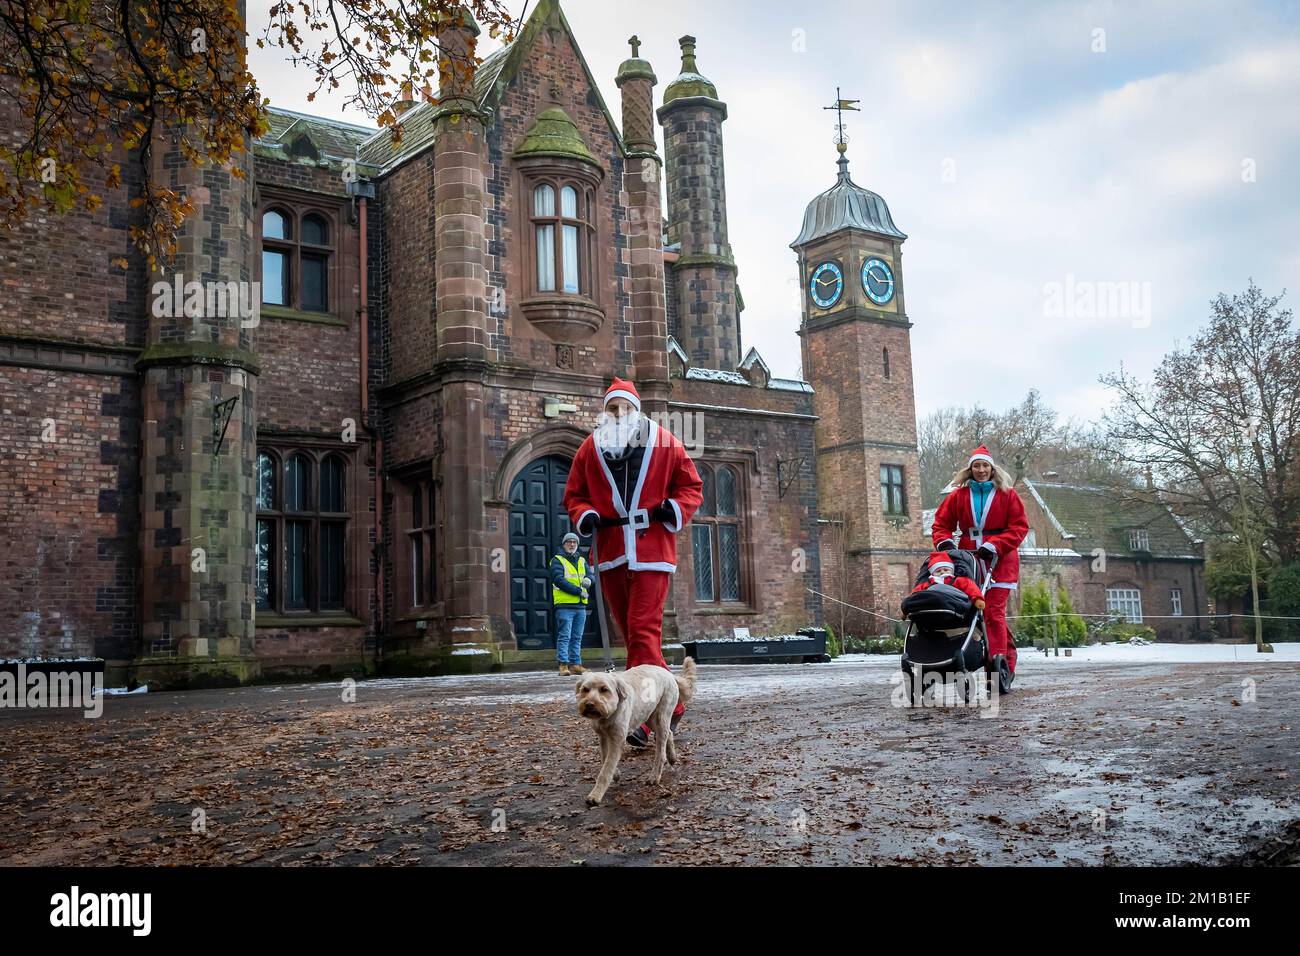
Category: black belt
[604,522]
[982,532]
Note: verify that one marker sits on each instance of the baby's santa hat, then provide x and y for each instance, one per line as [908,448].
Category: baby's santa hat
[940,563]
[621,388]
[980,454]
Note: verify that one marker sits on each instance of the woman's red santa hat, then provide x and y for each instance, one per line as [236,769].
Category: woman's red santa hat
[979,454]
[621,388]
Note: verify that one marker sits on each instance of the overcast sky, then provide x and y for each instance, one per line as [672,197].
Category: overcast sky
[1028,155]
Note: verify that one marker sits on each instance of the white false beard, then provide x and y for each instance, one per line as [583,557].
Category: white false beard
[939,578]
[613,434]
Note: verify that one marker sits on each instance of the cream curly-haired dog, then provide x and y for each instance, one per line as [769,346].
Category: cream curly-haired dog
[617,703]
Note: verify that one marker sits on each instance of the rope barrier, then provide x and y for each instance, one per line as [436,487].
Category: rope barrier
[1017,617]
[883,617]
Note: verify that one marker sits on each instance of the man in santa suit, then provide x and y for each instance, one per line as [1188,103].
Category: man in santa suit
[633,484]
[992,523]
[942,571]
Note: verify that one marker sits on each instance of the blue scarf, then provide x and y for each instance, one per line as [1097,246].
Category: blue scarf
[980,493]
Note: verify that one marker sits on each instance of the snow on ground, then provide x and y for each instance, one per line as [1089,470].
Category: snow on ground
[1144,654]
[1166,654]
[743,680]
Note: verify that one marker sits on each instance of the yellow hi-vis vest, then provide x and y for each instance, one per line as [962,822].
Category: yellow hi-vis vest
[574,576]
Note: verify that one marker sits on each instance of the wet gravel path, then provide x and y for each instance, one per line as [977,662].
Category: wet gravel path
[1085,764]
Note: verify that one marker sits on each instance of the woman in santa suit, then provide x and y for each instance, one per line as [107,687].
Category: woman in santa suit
[983,513]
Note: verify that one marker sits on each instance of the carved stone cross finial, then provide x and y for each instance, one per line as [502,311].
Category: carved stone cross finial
[636,46]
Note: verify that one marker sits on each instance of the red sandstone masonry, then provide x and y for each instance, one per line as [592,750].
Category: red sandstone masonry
[552,75]
[68,586]
[68,508]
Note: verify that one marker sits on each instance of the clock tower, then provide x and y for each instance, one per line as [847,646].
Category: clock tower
[857,355]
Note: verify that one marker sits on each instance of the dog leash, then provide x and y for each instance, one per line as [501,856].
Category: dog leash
[600,605]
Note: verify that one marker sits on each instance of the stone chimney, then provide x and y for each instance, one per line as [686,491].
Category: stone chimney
[692,117]
[649,315]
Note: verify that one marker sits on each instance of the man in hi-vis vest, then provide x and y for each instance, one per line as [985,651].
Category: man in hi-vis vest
[569,583]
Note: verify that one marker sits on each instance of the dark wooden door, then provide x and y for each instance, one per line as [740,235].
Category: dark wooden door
[538,523]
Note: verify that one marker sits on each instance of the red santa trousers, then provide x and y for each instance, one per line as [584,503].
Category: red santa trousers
[995,624]
[636,605]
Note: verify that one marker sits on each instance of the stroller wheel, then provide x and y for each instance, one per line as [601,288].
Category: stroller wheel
[1002,669]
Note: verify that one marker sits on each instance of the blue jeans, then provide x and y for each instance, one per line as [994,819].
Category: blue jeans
[570,621]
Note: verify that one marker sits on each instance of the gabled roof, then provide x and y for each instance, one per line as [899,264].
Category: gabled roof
[491,80]
[675,347]
[417,131]
[751,358]
[494,78]
[332,140]
[1092,517]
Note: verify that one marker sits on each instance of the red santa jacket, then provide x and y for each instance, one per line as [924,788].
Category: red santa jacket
[961,583]
[1003,525]
[667,474]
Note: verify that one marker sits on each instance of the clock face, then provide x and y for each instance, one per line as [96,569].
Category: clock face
[878,281]
[826,285]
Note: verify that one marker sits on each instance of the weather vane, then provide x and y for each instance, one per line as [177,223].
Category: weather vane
[841,104]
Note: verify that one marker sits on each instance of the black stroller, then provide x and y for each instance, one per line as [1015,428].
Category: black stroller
[945,630]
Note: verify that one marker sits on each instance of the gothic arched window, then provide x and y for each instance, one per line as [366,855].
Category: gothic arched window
[296,255]
[717,539]
[302,519]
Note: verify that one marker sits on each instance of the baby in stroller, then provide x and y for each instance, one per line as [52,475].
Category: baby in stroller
[945,617]
[943,571]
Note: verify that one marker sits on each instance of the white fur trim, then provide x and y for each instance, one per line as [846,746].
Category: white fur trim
[629,534]
[980,518]
[622,393]
[975,458]
[674,527]
[1009,585]
[652,566]
[589,511]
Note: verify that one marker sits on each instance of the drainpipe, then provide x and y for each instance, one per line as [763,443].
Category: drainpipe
[376,439]
[1196,603]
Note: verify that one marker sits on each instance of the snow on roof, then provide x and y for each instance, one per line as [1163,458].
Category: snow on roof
[1182,525]
[716,375]
[789,385]
[735,378]
[1060,528]
[753,358]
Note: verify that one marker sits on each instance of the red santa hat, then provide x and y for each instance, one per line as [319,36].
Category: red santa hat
[940,560]
[621,388]
[980,454]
